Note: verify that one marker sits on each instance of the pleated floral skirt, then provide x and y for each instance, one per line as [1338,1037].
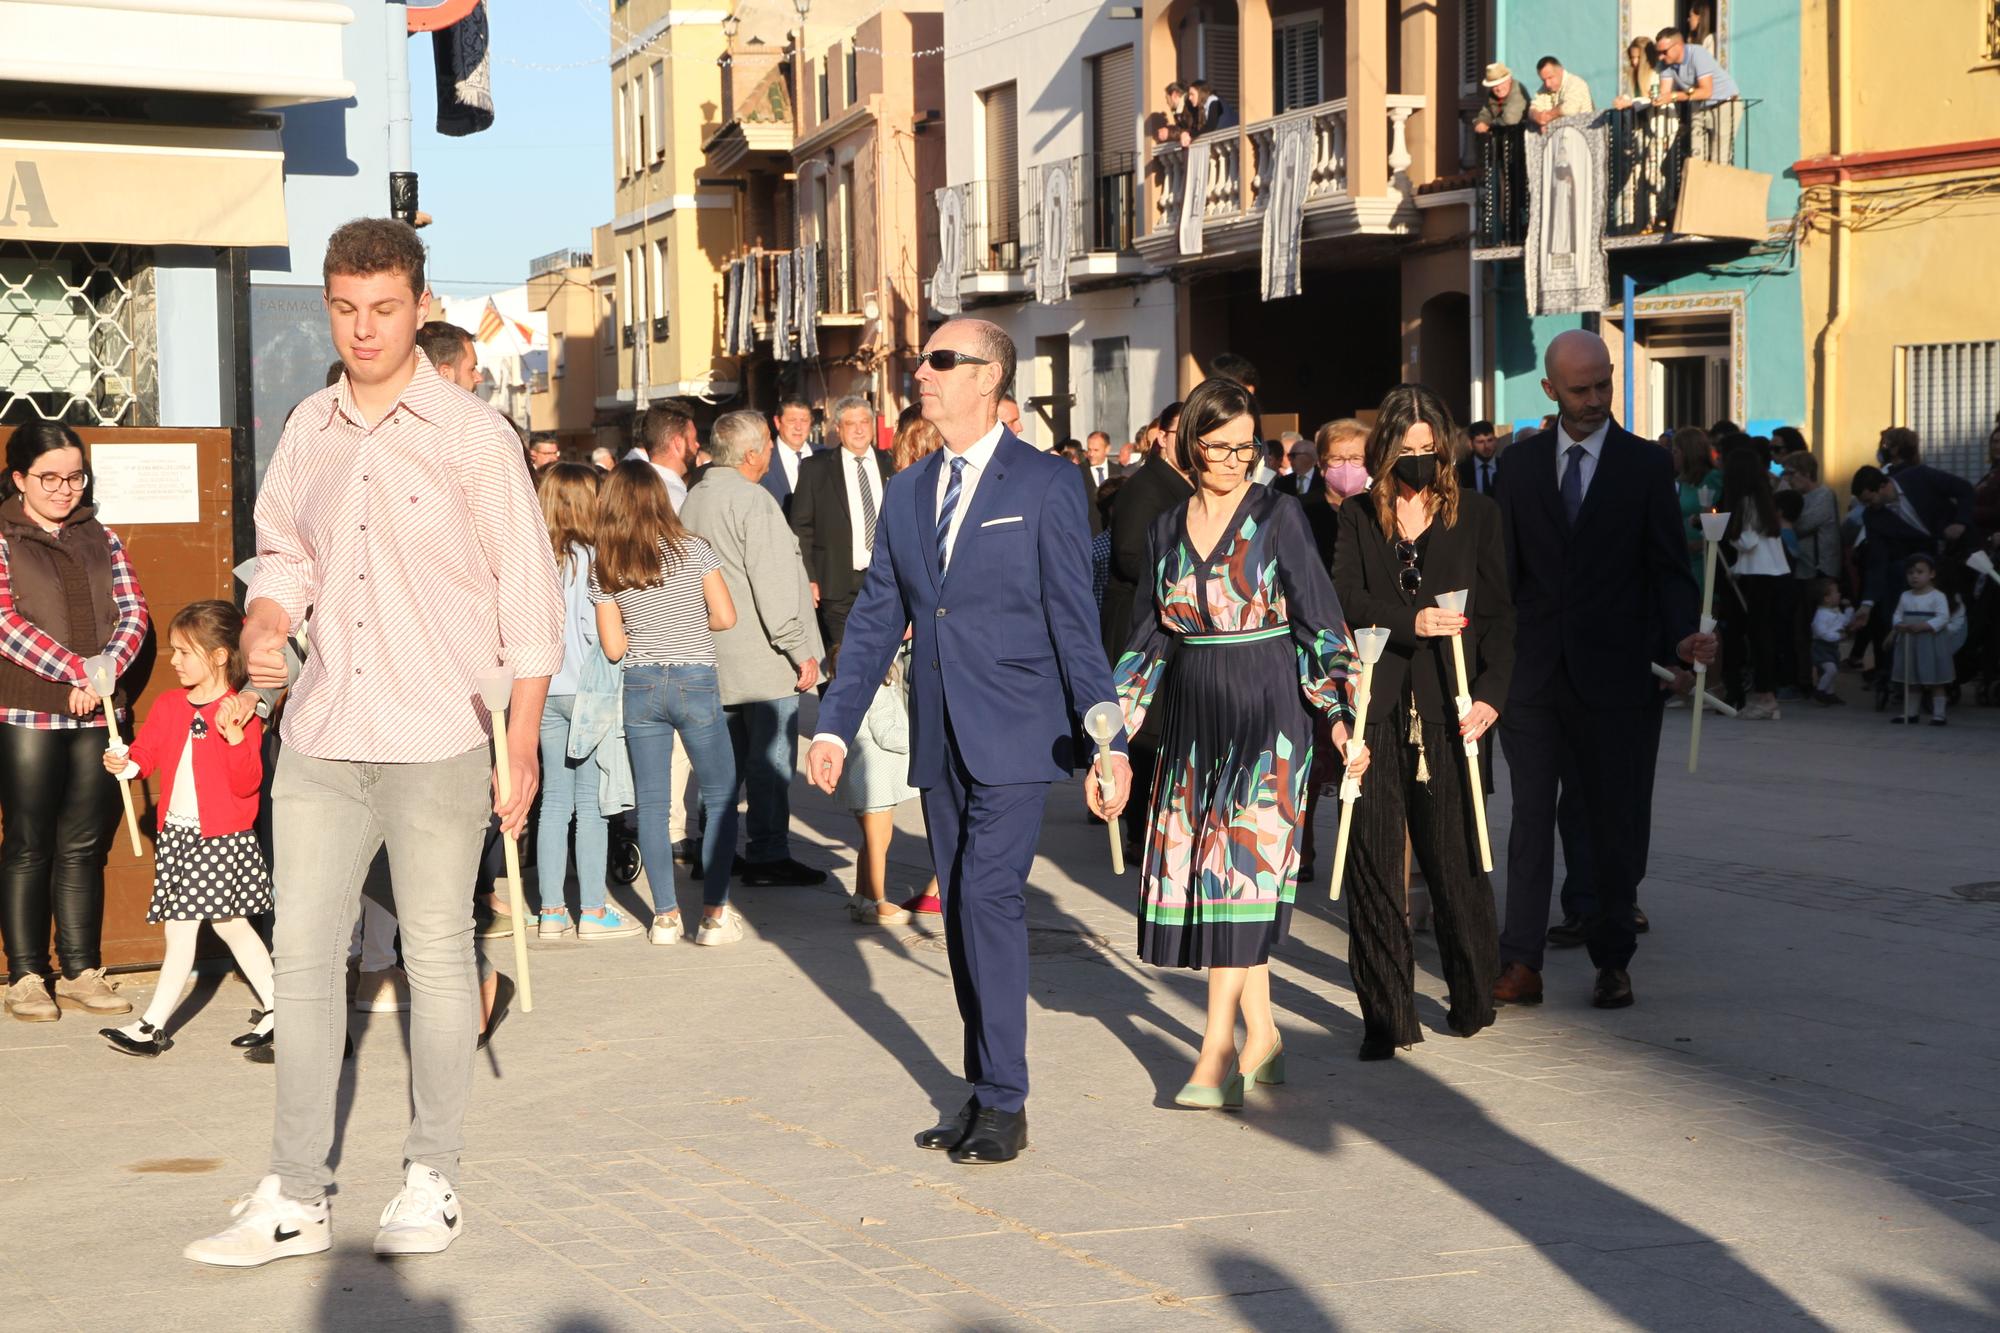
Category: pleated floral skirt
[1222,849]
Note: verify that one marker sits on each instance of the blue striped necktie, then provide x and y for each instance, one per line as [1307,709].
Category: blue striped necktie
[952,490]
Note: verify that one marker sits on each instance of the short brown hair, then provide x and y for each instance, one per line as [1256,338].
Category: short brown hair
[211,625]
[664,421]
[367,246]
[443,343]
[1214,402]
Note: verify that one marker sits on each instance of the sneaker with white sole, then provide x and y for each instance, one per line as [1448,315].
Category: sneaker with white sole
[610,924]
[553,924]
[266,1225]
[666,929]
[724,929]
[384,992]
[423,1218]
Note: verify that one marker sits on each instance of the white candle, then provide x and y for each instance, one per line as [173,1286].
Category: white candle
[1369,645]
[1713,526]
[496,690]
[1454,602]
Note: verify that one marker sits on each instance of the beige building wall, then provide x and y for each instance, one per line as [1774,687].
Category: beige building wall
[1892,110]
[565,406]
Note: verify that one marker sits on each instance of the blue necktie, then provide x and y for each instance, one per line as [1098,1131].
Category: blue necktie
[952,490]
[1572,487]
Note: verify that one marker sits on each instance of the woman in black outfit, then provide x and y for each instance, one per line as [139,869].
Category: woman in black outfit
[67,592]
[1411,535]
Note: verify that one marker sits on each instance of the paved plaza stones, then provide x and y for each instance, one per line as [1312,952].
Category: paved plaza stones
[1798,1126]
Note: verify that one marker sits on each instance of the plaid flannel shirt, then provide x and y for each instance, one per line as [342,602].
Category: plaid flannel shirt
[26,644]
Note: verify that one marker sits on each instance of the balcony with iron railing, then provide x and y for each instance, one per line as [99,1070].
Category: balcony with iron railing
[1234,185]
[1650,149]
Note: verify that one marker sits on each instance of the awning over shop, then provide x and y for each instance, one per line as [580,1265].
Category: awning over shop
[141,185]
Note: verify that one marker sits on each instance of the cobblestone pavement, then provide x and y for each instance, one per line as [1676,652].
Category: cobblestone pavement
[1797,1127]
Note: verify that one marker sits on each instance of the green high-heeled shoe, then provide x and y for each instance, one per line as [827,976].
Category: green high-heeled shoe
[1227,1097]
[1270,1072]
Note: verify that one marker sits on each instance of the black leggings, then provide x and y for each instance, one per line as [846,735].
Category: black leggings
[1750,639]
[60,809]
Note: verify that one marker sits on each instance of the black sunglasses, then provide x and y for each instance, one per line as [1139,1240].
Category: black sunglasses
[945,359]
[1411,579]
[1247,451]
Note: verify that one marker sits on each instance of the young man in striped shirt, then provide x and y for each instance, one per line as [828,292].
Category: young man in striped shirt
[398,512]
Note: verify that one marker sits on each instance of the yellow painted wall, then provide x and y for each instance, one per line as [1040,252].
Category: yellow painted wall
[1916,79]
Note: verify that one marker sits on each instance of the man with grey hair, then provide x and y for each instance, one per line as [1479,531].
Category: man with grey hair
[772,653]
[836,510]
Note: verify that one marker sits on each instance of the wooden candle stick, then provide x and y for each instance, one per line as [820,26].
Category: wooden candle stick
[1454,602]
[496,689]
[1368,645]
[1713,526]
[1101,723]
[103,676]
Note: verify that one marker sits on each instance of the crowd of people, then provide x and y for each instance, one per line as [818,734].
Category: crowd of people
[959,597]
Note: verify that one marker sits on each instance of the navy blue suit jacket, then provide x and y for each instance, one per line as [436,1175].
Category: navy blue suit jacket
[775,480]
[1601,598]
[1005,641]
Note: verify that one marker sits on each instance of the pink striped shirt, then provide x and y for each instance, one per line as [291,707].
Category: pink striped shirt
[419,549]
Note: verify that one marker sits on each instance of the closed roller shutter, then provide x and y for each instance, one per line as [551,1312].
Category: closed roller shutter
[1003,165]
[1113,105]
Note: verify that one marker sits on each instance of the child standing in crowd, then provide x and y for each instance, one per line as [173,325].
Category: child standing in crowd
[874,783]
[207,867]
[1923,644]
[660,597]
[1830,624]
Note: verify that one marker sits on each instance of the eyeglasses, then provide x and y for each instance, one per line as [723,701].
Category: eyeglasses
[1245,452]
[1411,578]
[56,481]
[945,359]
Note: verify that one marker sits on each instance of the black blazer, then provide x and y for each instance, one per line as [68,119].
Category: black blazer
[1468,483]
[1152,491]
[1469,554]
[1940,498]
[1323,515]
[825,529]
[1597,601]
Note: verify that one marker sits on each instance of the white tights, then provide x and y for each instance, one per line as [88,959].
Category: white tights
[243,941]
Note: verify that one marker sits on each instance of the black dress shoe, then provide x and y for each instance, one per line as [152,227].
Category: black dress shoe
[785,874]
[1568,935]
[946,1134]
[149,1043]
[995,1136]
[1639,923]
[1613,989]
[253,1038]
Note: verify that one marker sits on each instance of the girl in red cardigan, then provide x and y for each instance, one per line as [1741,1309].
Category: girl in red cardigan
[206,739]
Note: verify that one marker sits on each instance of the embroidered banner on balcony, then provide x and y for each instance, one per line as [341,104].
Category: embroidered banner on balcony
[805,306]
[1285,205]
[1567,171]
[1194,196]
[951,251]
[1058,223]
[781,314]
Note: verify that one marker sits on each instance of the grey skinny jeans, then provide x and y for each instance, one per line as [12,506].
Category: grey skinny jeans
[330,817]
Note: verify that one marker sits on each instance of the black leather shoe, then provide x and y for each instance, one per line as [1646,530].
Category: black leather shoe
[785,874]
[253,1038]
[149,1043]
[1613,989]
[995,1136]
[1568,935]
[946,1134]
[1639,923]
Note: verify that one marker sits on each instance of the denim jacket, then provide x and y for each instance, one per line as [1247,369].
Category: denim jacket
[597,722]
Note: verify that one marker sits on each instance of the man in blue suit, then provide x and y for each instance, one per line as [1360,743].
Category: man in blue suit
[1599,572]
[983,555]
[791,431]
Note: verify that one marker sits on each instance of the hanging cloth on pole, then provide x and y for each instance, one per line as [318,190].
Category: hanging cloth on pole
[463,58]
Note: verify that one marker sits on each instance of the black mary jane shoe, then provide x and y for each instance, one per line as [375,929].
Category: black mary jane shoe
[149,1043]
[252,1039]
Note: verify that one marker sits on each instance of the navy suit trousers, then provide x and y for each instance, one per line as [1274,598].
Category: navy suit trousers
[983,841]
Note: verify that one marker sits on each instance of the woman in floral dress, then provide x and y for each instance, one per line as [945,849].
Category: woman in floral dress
[1240,643]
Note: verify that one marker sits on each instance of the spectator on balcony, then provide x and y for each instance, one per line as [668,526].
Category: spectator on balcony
[1177,122]
[1210,112]
[1563,94]
[1690,73]
[1641,80]
[1699,25]
[1506,105]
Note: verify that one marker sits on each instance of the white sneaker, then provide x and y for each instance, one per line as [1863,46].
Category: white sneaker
[384,992]
[266,1226]
[724,929]
[424,1218]
[666,929]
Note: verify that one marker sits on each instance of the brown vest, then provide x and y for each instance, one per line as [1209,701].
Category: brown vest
[61,583]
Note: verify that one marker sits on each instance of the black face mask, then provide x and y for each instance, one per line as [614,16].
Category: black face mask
[1417,471]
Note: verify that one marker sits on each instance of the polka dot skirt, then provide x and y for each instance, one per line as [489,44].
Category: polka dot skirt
[207,879]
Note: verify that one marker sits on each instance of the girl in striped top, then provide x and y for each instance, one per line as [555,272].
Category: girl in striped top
[660,596]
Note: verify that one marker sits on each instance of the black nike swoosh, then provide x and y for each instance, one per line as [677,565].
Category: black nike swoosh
[451,1220]
[281,1235]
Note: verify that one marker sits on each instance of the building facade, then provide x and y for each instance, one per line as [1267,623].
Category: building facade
[562,396]
[1898,256]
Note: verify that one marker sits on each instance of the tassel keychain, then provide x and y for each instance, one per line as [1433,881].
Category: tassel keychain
[1417,739]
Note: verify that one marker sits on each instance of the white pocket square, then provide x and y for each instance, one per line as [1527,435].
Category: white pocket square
[996,522]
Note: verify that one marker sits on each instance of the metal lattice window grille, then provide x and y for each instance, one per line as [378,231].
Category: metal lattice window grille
[1951,392]
[79,335]
[1991,49]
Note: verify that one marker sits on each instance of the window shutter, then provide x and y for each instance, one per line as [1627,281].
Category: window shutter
[1218,64]
[658,124]
[1003,169]
[1296,64]
[1113,107]
[1471,43]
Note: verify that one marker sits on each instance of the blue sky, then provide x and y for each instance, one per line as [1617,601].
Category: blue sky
[540,179]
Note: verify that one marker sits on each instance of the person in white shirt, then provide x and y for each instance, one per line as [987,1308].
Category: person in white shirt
[791,428]
[1097,459]
[836,512]
[668,433]
[1750,625]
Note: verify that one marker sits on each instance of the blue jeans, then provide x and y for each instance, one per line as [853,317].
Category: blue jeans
[569,786]
[765,740]
[659,701]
